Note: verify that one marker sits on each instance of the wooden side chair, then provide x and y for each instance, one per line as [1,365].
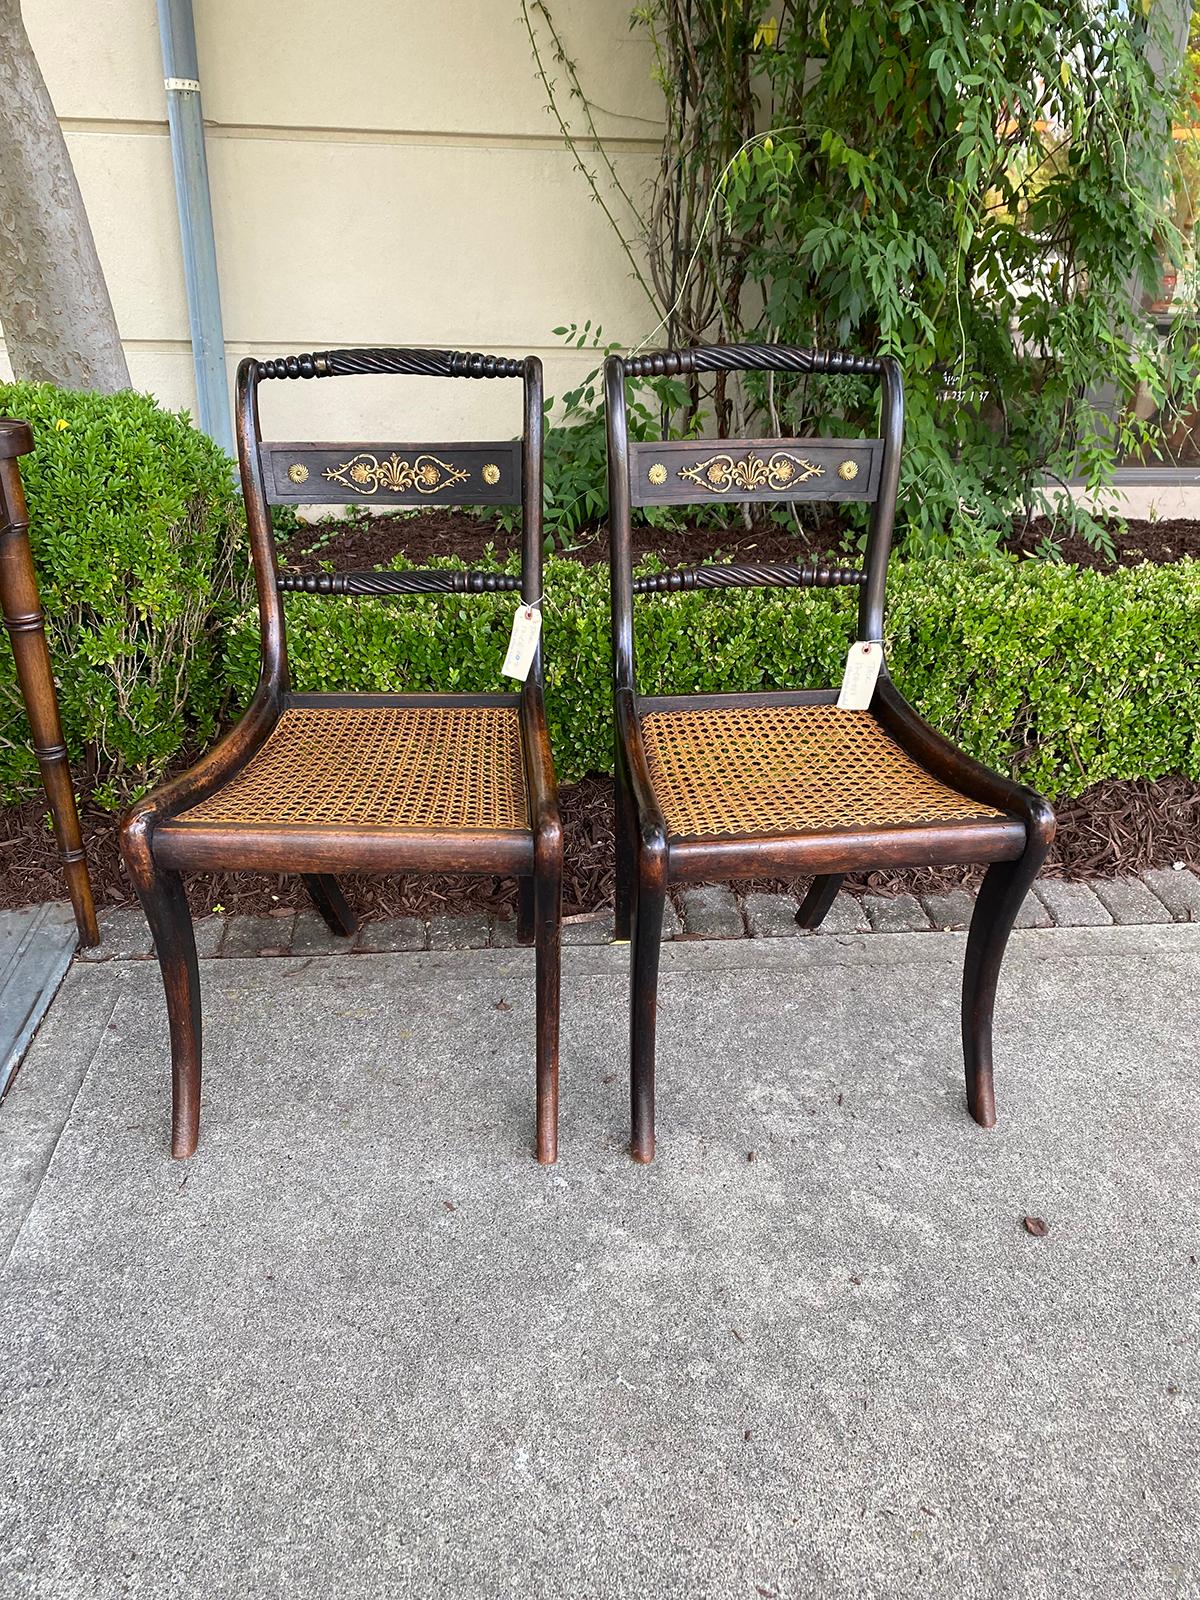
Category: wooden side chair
[322,784]
[779,784]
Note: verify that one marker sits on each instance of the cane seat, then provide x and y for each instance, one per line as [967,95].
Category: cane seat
[763,770]
[421,767]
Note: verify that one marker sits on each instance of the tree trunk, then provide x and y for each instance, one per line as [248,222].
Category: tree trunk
[54,306]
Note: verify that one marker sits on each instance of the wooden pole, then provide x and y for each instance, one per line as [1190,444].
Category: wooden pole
[25,623]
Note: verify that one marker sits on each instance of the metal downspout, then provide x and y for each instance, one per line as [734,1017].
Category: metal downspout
[181,71]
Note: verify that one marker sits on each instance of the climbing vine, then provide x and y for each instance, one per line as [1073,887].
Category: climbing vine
[981,188]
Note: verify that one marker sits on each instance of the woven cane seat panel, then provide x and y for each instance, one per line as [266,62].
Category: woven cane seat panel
[428,767]
[788,770]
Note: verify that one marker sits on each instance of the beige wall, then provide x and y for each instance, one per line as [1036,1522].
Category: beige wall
[381,173]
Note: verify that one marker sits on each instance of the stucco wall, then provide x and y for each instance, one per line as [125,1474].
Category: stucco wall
[381,173]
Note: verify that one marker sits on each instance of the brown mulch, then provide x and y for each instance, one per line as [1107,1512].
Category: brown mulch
[1116,827]
[1159,542]
[369,542]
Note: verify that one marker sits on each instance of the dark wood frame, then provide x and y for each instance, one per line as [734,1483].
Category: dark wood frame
[649,859]
[157,847]
[35,675]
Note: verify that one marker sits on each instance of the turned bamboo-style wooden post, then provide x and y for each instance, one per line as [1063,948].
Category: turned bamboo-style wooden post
[24,621]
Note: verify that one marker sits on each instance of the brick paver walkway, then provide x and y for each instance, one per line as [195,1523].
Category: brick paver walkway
[1160,896]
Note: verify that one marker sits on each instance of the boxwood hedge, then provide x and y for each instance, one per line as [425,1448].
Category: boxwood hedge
[1060,675]
[138,540]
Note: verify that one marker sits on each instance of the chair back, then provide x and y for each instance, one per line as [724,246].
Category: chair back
[386,473]
[704,472]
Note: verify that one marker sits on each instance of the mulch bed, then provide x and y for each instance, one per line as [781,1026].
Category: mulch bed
[1160,542]
[372,541]
[1116,827]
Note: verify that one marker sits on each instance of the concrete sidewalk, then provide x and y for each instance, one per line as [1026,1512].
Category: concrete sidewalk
[362,1346]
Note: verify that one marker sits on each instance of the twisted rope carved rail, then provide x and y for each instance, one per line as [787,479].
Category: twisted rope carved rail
[748,358]
[651,364]
[379,584]
[415,363]
[743,575]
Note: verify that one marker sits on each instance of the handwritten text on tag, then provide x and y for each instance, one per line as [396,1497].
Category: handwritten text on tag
[523,642]
[862,672]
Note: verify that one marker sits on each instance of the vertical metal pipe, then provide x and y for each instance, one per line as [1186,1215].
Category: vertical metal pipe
[181,72]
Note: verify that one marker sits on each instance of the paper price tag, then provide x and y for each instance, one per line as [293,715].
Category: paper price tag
[863,662]
[523,642]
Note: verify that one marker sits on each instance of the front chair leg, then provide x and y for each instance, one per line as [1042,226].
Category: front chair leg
[327,896]
[814,908]
[547,886]
[643,1011]
[165,904]
[1004,887]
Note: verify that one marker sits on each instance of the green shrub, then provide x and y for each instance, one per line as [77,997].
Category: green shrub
[1061,676]
[1064,677]
[136,531]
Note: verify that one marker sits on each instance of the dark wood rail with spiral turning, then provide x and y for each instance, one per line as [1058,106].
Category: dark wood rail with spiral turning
[378,585]
[749,358]
[745,575]
[382,361]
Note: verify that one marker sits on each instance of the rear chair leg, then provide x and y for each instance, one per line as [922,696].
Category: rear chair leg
[1004,887]
[822,892]
[327,896]
[525,912]
[548,917]
[165,904]
[643,1013]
